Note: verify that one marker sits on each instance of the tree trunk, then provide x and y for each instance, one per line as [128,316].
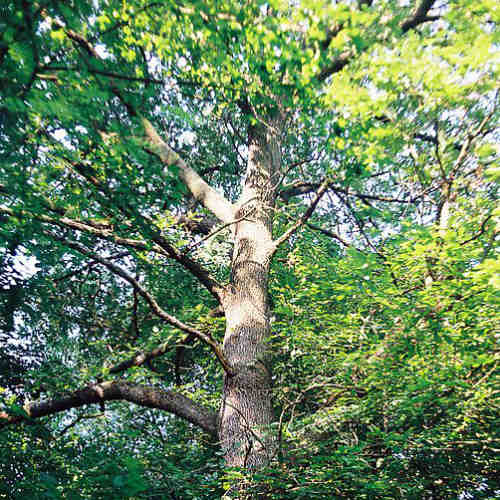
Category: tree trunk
[246,412]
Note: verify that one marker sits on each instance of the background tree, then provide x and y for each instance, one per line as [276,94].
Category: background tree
[319,311]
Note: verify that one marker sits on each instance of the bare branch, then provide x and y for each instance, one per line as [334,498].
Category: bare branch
[473,135]
[141,395]
[481,231]
[331,234]
[300,188]
[213,233]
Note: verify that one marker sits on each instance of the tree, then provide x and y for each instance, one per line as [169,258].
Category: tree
[365,130]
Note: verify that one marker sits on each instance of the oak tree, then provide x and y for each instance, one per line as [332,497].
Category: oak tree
[274,221]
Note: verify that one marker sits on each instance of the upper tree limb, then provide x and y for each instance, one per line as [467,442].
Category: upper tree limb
[160,244]
[155,307]
[419,16]
[201,191]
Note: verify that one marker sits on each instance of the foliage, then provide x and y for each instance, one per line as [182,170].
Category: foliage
[385,315]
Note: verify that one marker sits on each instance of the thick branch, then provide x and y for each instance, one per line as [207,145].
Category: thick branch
[202,225]
[201,191]
[336,65]
[141,395]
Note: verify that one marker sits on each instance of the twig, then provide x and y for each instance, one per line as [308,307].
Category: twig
[319,194]
[481,231]
[79,419]
[213,233]
[333,235]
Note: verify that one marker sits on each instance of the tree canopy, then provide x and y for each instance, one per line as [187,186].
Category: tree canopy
[249,249]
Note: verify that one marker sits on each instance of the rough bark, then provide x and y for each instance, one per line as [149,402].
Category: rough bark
[246,411]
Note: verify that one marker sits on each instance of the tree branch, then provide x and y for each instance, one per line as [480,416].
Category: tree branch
[302,220]
[481,231]
[336,65]
[144,357]
[308,187]
[202,225]
[161,246]
[172,320]
[473,135]
[332,235]
[141,395]
[205,194]
[419,16]
[190,248]
[83,226]
[201,191]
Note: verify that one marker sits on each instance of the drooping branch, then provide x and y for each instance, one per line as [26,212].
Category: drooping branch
[141,395]
[172,320]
